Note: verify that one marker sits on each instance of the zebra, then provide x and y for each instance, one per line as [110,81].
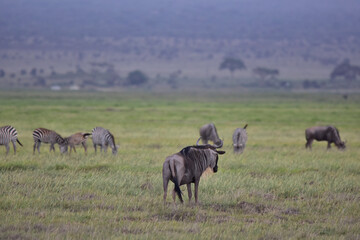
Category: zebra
[8,134]
[103,138]
[48,136]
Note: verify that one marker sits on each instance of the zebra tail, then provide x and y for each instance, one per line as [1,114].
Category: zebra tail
[19,142]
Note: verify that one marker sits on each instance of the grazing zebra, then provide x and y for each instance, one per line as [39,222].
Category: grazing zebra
[8,134]
[239,139]
[103,138]
[48,136]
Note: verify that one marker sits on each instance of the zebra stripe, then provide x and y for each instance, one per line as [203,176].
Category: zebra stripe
[8,134]
[43,135]
[103,138]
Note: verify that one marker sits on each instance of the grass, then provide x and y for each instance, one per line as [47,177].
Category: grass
[274,190]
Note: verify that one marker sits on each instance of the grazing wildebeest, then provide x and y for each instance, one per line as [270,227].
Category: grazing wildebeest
[77,139]
[48,136]
[187,166]
[8,134]
[209,132]
[239,139]
[324,133]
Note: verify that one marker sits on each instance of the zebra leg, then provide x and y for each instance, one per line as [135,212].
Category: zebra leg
[95,148]
[14,145]
[7,148]
[34,147]
[38,147]
[52,147]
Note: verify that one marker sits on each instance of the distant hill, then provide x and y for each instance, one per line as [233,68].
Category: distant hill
[320,20]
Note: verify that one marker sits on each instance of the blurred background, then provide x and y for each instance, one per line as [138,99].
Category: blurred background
[168,45]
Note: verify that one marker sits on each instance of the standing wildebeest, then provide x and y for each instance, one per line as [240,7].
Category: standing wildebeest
[103,138]
[187,166]
[209,132]
[48,136]
[8,134]
[324,133]
[77,139]
[239,139]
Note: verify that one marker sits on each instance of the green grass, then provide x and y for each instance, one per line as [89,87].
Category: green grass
[274,190]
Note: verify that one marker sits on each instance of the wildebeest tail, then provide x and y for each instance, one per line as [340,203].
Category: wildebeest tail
[177,186]
[177,189]
[85,135]
[19,142]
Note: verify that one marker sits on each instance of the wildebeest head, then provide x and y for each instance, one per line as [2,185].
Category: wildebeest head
[341,145]
[211,153]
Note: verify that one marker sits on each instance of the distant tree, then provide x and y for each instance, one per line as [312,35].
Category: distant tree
[136,78]
[40,81]
[2,73]
[23,72]
[111,77]
[33,72]
[345,70]
[232,64]
[266,73]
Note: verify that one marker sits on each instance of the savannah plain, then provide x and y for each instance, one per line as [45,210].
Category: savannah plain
[274,190]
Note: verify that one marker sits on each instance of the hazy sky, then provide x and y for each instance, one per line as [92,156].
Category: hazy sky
[183,18]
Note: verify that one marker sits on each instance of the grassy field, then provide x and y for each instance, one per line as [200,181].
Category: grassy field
[275,190]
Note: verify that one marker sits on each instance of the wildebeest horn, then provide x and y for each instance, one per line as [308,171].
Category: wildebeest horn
[197,142]
[220,145]
[245,126]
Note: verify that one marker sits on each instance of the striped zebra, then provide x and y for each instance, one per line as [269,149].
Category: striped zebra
[48,136]
[8,134]
[103,138]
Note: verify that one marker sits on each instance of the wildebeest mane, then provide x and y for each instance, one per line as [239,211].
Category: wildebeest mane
[185,151]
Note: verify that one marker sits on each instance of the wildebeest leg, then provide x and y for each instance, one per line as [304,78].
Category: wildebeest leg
[196,190]
[188,186]
[309,143]
[174,195]
[85,147]
[165,185]
[166,177]
[14,145]
[329,145]
[74,149]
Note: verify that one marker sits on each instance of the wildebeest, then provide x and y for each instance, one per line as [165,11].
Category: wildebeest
[209,132]
[8,134]
[77,139]
[239,139]
[324,133]
[187,166]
